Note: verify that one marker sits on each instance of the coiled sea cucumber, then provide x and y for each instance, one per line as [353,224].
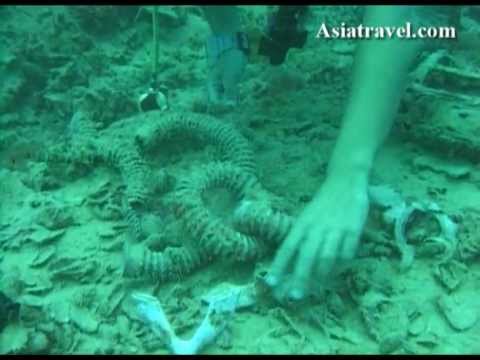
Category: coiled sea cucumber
[160,266]
[157,127]
[215,236]
[258,219]
[124,156]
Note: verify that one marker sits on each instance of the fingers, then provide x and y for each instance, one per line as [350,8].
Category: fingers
[305,263]
[285,255]
[329,254]
[349,246]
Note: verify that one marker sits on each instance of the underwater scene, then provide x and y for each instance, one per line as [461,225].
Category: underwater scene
[240,180]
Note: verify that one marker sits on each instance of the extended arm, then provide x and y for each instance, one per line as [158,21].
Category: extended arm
[379,79]
[328,230]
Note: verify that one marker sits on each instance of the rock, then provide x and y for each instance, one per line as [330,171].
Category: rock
[449,169]
[43,256]
[32,300]
[451,274]
[84,320]
[13,339]
[8,310]
[59,312]
[460,310]
[114,299]
[39,343]
[55,217]
[228,297]
[39,177]
[417,325]
[386,320]
[384,196]
[42,236]
[429,340]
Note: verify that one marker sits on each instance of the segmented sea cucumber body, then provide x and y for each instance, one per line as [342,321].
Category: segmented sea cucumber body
[125,156]
[259,220]
[160,266]
[157,127]
[215,236]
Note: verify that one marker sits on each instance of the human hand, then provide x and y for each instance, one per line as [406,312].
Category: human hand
[224,76]
[326,233]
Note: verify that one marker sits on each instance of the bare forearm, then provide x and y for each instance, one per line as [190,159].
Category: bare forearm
[379,79]
[222,19]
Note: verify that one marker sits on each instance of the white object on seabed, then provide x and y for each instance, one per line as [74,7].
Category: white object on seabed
[151,312]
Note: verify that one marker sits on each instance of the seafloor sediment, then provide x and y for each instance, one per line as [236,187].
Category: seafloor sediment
[99,201]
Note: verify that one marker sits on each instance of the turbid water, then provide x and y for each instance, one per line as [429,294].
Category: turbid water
[103,205]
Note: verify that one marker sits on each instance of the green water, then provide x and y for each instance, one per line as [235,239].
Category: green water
[308,183]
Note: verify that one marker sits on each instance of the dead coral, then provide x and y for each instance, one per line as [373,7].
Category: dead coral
[386,321]
[135,174]
[40,177]
[104,19]
[442,97]
[106,201]
[14,339]
[54,216]
[80,270]
[469,239]
[107,103]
